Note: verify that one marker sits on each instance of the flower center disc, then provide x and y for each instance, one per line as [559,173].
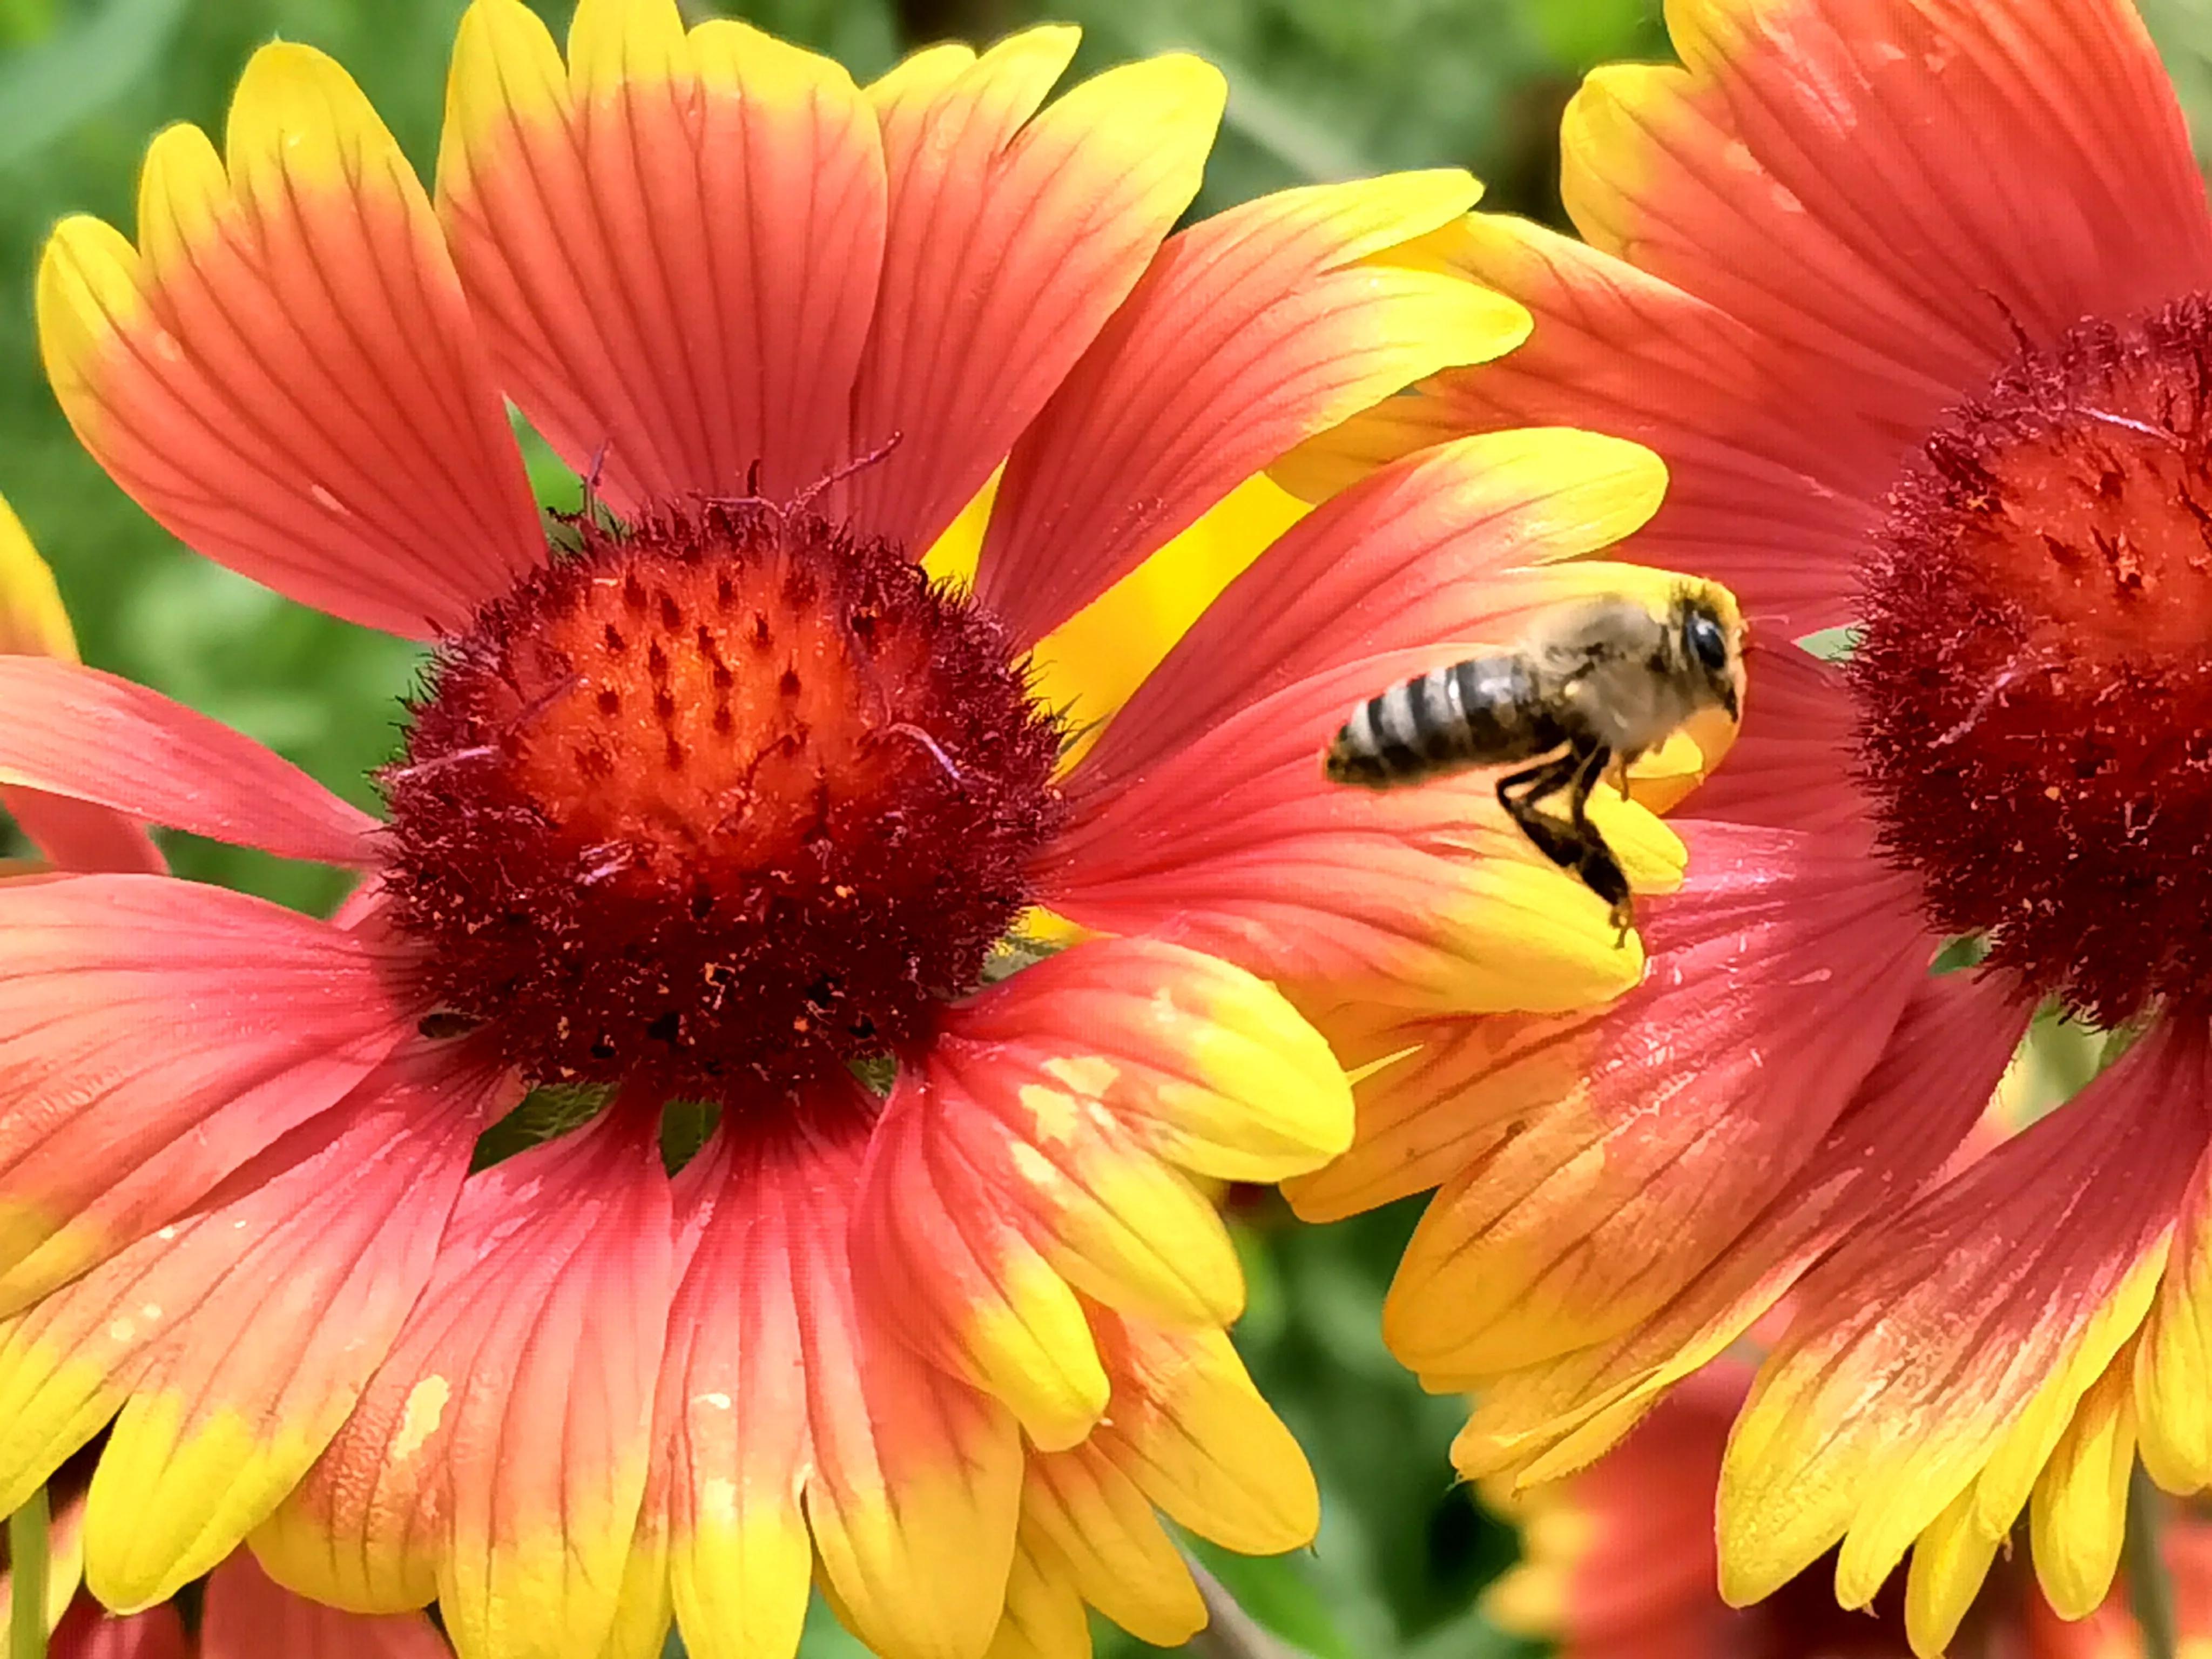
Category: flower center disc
[717,800]
[2034,678]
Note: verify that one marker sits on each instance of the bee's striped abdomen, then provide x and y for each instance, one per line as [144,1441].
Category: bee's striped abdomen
[1483,712]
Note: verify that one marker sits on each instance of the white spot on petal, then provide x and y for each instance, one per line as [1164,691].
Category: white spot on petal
[426,1406]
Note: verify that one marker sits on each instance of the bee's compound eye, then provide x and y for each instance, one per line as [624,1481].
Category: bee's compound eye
[1707,641]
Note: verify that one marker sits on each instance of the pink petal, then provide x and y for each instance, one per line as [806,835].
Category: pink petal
[88,1632]
[77,835]
[283,372]
[154,1036]
[246,1616]
[91,737]
[673,243]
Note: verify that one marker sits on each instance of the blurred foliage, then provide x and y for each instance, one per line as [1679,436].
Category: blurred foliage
[1319,89]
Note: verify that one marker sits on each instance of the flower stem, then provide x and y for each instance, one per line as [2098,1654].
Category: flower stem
[2150,1589]
[27,1573]
[1231,1633]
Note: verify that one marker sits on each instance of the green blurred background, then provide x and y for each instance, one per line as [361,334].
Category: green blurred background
[1319,89]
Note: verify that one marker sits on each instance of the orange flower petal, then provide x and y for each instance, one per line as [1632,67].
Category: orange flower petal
[1096,1530]
[156,1035]
[1947,1350]
[733,1402]
[543,1325]
[1030,1152]
[1013,234]
[1192,1431]
[233,1389]
[1911,1113]
[1755,203]
[672,242]
[1685,1106]
[87,736]
[1254,329]
[283,372]
[1766,491]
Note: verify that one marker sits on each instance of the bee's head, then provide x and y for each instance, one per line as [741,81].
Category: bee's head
[1710,633]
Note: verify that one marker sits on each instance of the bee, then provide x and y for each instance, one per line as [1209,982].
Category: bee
[1594,685]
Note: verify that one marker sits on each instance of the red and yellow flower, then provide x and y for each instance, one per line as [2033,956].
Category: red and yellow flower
[1915,298]
[721,799]
[1619,1562]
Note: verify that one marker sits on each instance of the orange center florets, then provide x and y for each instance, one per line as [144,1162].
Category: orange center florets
[721,800]
[2034,677]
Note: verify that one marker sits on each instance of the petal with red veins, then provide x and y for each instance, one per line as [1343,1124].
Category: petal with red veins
[77,835]
[915,1484]
[1939,1358]
[74,836]
[1044,1618]
[1032,1146]
[283,371]
[1410,561]
[732,1407]
[543,1328]
[232,1389]
[1674,1115]
[1099,1530]
[2071,190]
[86,736]
[1013,235]
[1202,813]
[672,241]
[247,1615]
[1767,490]
[1915,1109]
[1252,331]
[788,1411]
[1194,1435]
[154,1036]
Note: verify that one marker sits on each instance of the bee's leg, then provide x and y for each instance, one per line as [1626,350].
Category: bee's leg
[1589,768]
[1600,871]
[1518,794]
[1622,761]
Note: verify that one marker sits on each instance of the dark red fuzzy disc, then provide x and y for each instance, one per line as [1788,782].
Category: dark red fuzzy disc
[724,798]
[2035,679]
